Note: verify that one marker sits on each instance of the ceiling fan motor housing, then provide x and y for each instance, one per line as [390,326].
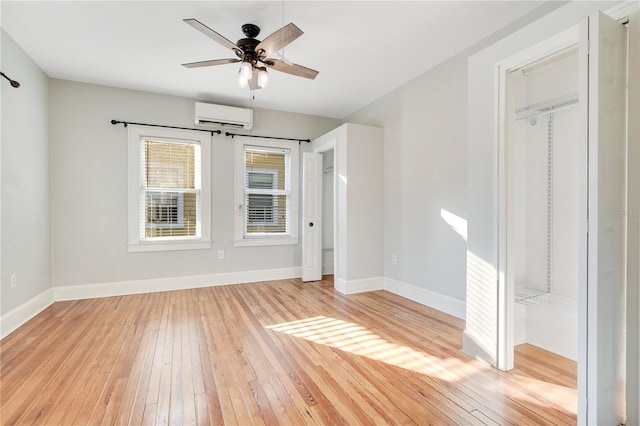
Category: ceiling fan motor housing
[248,44]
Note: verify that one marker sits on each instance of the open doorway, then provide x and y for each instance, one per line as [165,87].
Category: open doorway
[543,187]
[328,177]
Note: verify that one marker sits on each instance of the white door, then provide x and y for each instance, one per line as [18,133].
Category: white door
[605,314]
[311,217]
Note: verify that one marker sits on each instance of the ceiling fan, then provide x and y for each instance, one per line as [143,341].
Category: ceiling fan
[254,53]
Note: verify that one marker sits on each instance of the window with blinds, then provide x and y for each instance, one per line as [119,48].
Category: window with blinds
[170,190]
[266,182]
[267,191]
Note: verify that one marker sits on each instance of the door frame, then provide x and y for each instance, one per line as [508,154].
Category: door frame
[504,350]
[575,35]
[506,309]
[328,146]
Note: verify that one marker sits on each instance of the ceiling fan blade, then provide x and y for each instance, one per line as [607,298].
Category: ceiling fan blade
[210,63]
[293,69]
[278,39]
[212,34]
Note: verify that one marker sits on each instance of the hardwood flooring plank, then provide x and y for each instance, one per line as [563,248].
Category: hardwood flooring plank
[276,352]
[132,408]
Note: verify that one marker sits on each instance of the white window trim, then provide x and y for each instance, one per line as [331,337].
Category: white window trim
[239,175]
[135,243]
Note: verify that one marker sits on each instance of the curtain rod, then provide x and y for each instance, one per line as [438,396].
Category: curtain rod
[13,82]
[126,123]
[268,137]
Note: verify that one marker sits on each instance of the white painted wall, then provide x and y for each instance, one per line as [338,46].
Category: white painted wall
[358,202]
[424,176]
[481,331]
[25,178]
[89,181]
[364,180]
[633,228]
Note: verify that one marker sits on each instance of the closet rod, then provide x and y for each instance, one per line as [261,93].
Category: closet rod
[126,123]
[268,137]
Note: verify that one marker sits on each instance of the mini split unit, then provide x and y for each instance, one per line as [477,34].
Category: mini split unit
[211,115]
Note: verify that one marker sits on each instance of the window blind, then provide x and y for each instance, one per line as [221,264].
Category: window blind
[267,191]
[170,189]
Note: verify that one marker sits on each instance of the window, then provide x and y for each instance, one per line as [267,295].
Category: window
[169,189]
[165,210]
[266,192]
[262,207]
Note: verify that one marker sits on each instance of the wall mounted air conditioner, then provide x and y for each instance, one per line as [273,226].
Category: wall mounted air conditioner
[212,115]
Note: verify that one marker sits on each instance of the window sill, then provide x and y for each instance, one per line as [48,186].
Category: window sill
[251,242]
[168,246]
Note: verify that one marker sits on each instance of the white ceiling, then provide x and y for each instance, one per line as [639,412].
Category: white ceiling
[363,50]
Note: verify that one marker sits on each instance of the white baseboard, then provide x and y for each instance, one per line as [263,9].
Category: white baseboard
[23,313]
[16,317]
[434,300]
[121,288]
[20,315]
[358,286]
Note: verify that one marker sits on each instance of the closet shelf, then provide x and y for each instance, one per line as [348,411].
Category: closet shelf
[548,106]
[566,306]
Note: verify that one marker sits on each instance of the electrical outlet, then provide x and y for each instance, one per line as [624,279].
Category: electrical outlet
[13,281]
[394,259]
[220,254]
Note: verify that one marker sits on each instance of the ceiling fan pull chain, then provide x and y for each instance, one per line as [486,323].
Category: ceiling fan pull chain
[282,32]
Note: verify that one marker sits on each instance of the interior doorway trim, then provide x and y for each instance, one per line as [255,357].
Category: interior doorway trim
[328,146]
[506,310]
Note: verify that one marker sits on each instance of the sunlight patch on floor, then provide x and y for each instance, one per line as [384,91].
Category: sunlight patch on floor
[356,339]
[564,397]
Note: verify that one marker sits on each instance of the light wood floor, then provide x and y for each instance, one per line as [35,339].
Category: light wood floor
[279,352]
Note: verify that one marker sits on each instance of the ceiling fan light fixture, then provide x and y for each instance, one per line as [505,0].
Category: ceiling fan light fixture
[246,70]
[242,82]
[263,78]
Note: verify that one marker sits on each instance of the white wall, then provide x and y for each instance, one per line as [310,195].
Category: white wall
[364,196]
[481,331]
[25,179]
[89,187]
[633,228]
[358,204]
[424,175]
[425,178]
[482,274]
